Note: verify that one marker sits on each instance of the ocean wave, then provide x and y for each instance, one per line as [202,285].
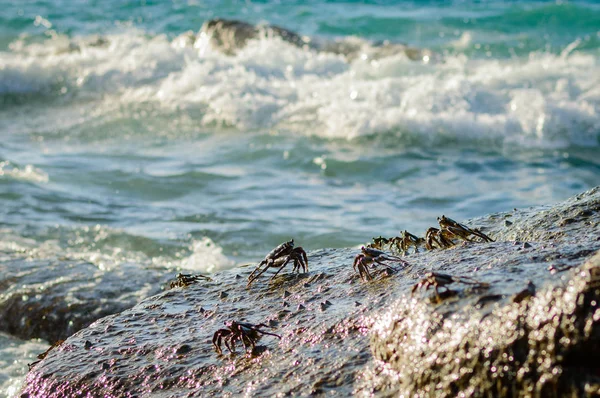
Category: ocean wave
[109,248]
[543,99]
[28,172]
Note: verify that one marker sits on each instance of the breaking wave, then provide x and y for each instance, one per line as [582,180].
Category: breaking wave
[108,248]
[544,99]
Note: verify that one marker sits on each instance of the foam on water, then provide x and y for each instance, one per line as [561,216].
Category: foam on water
[27,173]
[15,354]
[108,248]
[545,99]
[206,256]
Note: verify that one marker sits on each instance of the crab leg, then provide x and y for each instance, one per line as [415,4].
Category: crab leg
[270,334]
[363,269]
[245,338]
[391,258]
[304,257]
[482,235]
[469,281]
[297,264]
[253,277]
[217,343]
[298,255]
[458,232]
[230,343]
[357,261]
[280,268]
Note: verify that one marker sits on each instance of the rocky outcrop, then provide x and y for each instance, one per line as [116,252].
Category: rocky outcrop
[53,298]
[530,328]
[229,36]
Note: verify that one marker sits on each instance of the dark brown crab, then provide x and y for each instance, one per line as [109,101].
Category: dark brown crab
[184,280]
[247,333]
[434,238]
[369,257]
[404,242]
[436,280]
[44,354]
[279,257]
[452,229]
[379,243]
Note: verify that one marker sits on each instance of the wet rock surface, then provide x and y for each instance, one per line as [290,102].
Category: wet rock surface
[529,329]
[53,298]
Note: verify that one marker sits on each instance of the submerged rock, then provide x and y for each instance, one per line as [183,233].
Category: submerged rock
[229,36]
[529,328]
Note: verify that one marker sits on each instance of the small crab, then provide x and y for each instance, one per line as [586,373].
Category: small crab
[183,280]
[279,257]
[404,242]
[247,333]
[452,229]
[436,280]
[369,257]
[436,238]
[44,354]
[379,243]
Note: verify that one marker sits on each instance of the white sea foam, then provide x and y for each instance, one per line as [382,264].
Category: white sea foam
[109,249]
[542,100]
[26,173]
[206,257]
[15,354]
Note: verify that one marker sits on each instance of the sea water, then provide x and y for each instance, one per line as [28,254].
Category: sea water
[122,141]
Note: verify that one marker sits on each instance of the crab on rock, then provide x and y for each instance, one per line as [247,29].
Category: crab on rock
[436,238]
[379,243]
[436,280]
[452,229]
[247,333]
[404,242]
[279,257]
[184,280]
[370,257]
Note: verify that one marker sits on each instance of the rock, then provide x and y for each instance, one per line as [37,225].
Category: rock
[52,299]
[229,36]
[545,346]
[523,331]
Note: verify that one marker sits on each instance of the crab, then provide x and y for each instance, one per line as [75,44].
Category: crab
[404,242]
[44,354]
[436,238]
[437,280]
[369,257]
[452,229]
[379,243]
[247,333]
[184,280]
[279,257]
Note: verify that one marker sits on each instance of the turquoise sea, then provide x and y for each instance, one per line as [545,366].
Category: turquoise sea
[126,138]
